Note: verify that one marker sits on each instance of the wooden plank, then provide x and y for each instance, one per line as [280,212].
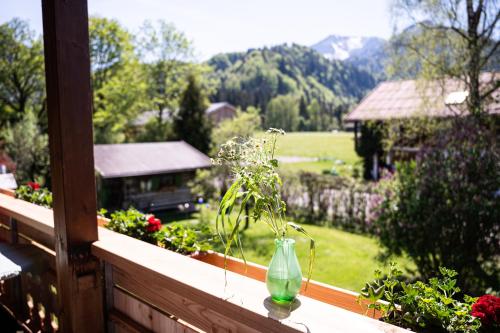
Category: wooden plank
[146,316]
[196,293]
[9,192]
[37,217]
[109,294]
[252,270]
[69,100]
[342,298]
[189,309]
[102,221]
[125,324]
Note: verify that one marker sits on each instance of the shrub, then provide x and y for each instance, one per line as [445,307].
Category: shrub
[135,224]
[443,209]
[330,201]
[32,192]
[184,240]
[148,228]
[423,307]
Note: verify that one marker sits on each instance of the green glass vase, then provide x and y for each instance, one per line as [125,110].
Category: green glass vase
[284,276]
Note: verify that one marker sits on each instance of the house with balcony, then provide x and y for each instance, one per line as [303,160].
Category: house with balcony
[407,99]
[148,176]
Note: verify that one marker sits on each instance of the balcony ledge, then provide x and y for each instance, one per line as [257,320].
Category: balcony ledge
[196,292]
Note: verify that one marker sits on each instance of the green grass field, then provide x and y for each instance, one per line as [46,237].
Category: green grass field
[326,146]
[342,259]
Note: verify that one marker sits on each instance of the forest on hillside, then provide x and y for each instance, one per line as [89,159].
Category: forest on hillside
[322,90]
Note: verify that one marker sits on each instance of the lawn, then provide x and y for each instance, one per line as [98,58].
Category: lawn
[342,259]
[326,146]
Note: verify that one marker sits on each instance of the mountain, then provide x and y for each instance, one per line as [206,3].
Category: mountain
[367,53]
[255,77]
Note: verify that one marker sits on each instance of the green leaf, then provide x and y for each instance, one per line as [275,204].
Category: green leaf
[312,249]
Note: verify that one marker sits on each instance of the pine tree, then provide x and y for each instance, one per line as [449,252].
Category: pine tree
[191,124]
[304,116]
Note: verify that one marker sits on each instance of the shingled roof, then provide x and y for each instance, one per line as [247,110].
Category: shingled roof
[405,99]
[216,106]
[139,159]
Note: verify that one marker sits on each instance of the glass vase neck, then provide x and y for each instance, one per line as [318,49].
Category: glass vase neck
[282,242]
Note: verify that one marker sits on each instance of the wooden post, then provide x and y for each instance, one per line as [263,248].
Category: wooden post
[356,143]
[67,71]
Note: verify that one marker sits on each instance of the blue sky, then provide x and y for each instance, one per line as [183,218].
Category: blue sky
[235,25]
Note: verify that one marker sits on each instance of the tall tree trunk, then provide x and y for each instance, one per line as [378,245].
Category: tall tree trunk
[473,70]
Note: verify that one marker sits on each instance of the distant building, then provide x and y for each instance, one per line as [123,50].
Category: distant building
[146,117]
[218,112]
[147,176]
[8,181]
[7,168]
[6,163]
[406,99]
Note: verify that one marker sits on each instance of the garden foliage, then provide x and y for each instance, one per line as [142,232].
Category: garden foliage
[339,202]
[148,228]
[444,209]
[432,306]
[32,192]
[191,123]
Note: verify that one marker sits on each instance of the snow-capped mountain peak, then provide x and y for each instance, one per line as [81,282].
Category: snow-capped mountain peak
[342,47]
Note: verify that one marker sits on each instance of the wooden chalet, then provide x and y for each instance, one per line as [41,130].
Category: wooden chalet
[218,112]
[400,100]
[148,176]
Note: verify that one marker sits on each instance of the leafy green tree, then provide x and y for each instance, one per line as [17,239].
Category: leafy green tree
[443,209]
[304,115]
[28,147]
[315,114]
[283,112]
[110,47]
[244,125]
[152,131]
[120,100]
[190,123]
[117,79]
[450,39]
[167,53]
[22,85]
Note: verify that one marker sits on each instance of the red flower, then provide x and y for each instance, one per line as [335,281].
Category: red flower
[154,224]
[487,308]
[34,185]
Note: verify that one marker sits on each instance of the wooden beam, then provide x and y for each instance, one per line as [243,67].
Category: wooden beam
[67,71]
[356,139]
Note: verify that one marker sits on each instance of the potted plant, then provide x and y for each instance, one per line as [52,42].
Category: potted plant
[432,306]
[256,181]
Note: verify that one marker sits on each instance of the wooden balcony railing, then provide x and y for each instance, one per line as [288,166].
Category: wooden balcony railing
[150,289]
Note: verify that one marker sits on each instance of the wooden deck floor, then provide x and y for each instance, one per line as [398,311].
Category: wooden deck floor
[8,323]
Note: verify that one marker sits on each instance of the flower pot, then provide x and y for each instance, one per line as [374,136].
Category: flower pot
[284,276]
